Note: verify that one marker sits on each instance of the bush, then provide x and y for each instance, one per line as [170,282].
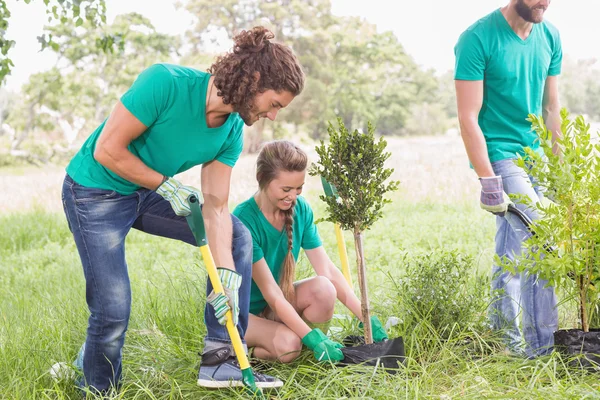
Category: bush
[444,291]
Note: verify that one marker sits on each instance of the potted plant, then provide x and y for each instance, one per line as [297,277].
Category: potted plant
[565,249]
[353,163]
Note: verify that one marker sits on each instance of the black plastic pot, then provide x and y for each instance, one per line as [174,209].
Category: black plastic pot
[574,342]
[387,355]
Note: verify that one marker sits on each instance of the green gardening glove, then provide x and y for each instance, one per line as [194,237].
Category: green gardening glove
[377,329]
[177,194]
[324,348]
[222,303]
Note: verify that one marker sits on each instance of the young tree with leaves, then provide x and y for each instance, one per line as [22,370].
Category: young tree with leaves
[354,163]
[565,249]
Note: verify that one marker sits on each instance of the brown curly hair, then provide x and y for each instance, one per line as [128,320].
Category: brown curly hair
[253,52]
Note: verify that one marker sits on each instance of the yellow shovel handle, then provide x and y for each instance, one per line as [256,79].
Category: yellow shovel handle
[343,255]
[236,341]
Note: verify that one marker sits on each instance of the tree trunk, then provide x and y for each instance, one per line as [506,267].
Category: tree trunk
[362,283]
[581,283]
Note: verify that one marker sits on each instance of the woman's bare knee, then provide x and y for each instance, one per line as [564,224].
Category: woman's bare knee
[324,292]
[287,345]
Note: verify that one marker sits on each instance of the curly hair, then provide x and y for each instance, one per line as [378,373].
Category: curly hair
[255,56]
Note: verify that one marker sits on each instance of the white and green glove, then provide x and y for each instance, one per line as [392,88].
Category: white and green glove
[177,194]
[222,303]
[493,198]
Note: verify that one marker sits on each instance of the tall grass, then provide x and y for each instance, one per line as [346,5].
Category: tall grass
[43,317]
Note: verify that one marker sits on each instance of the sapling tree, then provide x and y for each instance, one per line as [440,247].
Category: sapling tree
[354,163]
[565,249]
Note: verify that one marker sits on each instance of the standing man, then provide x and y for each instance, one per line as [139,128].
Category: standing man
[507,66]
[171,119]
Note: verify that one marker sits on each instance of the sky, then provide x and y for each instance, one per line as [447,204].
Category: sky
[427,29]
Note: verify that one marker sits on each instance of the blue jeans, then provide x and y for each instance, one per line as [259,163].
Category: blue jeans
[524,292]
[100,220]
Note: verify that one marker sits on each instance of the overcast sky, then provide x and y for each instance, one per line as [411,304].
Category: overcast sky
[427,29]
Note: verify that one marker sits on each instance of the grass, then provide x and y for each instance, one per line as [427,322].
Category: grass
[43,315]
[43,319]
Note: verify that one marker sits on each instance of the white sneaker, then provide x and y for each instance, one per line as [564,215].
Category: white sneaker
[61,371]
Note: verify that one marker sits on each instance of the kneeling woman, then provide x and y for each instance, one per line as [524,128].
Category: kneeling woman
[283,314]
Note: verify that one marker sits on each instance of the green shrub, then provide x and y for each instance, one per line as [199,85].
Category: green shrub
[565,250]
[444,291]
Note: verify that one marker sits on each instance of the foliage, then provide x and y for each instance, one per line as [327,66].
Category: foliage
[80,95]
[43,318]
[571,221]
[443,290]
[426,119]
[355,164]
[78,12]
[580,87]
[353,72]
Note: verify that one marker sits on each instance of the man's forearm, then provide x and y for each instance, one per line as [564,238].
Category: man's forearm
[129,167]
[219,231]
[476,148]
[552,120]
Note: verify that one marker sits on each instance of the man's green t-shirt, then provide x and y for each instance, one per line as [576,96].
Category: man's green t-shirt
[272,244]
[170,101]
[514,73]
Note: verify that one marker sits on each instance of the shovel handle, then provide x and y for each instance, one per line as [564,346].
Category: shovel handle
[528,223]
[343,255]
[196,222]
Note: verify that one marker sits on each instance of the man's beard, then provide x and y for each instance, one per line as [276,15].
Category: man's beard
[527,13]
[247,115]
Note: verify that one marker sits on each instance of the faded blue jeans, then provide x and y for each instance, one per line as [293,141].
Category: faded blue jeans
[100,220]
[523,294]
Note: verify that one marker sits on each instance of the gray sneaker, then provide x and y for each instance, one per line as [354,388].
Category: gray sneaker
[220,369]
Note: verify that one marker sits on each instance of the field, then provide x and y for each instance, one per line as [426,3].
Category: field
[428,263]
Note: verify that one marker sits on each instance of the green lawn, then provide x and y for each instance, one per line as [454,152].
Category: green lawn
[43,316]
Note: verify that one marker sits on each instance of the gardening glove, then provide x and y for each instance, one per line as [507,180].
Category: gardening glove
[377,329]
[323,348]
[493,198]
[177,194]
[223,302]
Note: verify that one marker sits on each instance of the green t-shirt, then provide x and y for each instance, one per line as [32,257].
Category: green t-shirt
[514,73]
[170,100]
[271,244]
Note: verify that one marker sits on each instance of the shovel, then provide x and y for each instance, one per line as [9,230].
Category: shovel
[518,219]
[196,223]
[330,191]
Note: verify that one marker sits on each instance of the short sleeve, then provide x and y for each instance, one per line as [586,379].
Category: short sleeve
[149,95]
[233,146]
[257,252]
[310,236]
[243,213]
[556,62]
[470,57]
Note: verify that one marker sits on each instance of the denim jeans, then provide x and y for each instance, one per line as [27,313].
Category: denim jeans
[523,293]
[100,220]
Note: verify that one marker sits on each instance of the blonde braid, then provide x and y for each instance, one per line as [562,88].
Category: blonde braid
[288,271]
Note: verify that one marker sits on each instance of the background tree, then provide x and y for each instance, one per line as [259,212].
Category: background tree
[60,11]
[580,87]
[353,72]
[79,94]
